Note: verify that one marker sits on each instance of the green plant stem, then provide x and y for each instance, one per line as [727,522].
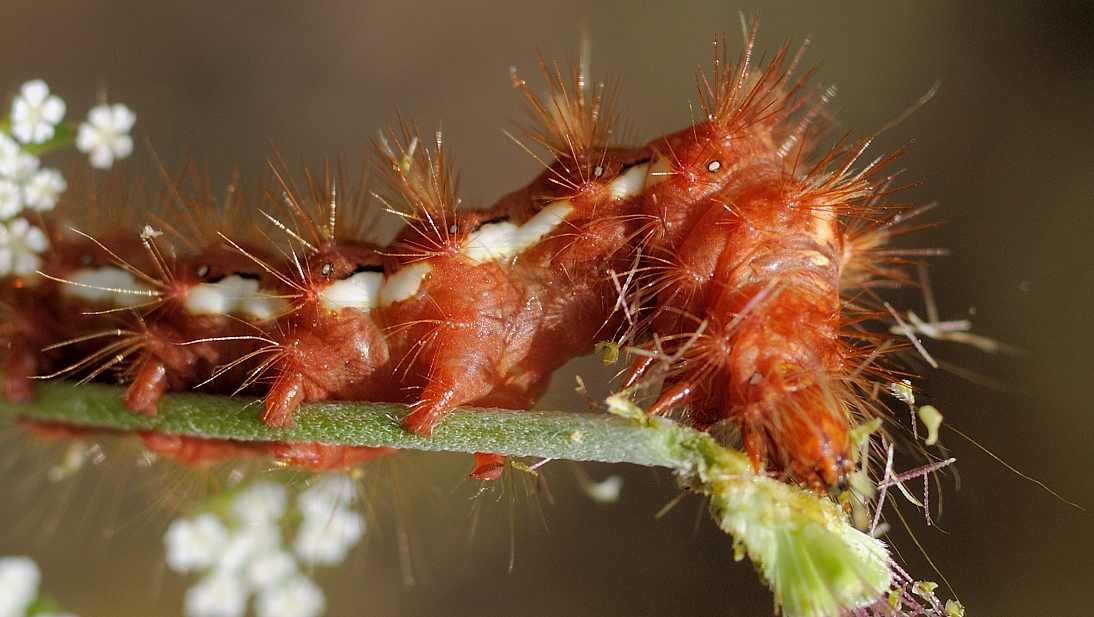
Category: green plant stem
[814,561]
[543,434]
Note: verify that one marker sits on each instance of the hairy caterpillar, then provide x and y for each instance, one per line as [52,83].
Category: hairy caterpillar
[749,252]
[739,251]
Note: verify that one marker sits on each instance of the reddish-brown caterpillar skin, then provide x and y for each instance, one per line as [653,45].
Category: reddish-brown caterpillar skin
[770,356]
[211,294]
[178,349]
[738,246]
[491,331]
[745,249]
[756,120]
[48,330]
[165,331]
[330,345]
[514,292]
[198,451]
[321,457]
[328,355]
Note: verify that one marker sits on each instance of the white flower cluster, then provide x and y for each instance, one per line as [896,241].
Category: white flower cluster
[19,579]
[24,185]
[105,135]
[246,556]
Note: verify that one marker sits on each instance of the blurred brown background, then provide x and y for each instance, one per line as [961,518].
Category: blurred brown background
[1006,147]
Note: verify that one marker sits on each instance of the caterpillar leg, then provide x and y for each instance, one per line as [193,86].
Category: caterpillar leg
[169,364]
[638,370]
[197,451]
[803,432]
[460,374]
[488,466]
[145,391]
[55,431]
[435,403]
[677,394]
[283,399]
[20,367]
[341,356]
[448,388]
[321,457]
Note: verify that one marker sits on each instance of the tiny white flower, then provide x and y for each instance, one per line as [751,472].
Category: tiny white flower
[244,544]
[195,544]
[16,165]
[331,492]
[24,168]
[43,189]
[325,541]
[35,112]
[9,156]
[11,199]
[105,135]
[20,244]
[260,504]
[298,597]
[19,579]
[270,567]
[217,595]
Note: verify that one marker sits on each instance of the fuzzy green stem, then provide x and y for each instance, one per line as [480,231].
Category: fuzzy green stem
[814,561]
[543,434]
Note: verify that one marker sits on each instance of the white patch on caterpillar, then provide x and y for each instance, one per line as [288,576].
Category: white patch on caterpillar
[404,284]
[107,284]
[824,227]
[818,259]
[503,241]
[659,171]
[496,241]
[234,295]
[631,183]
[360,291]
[545,221]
